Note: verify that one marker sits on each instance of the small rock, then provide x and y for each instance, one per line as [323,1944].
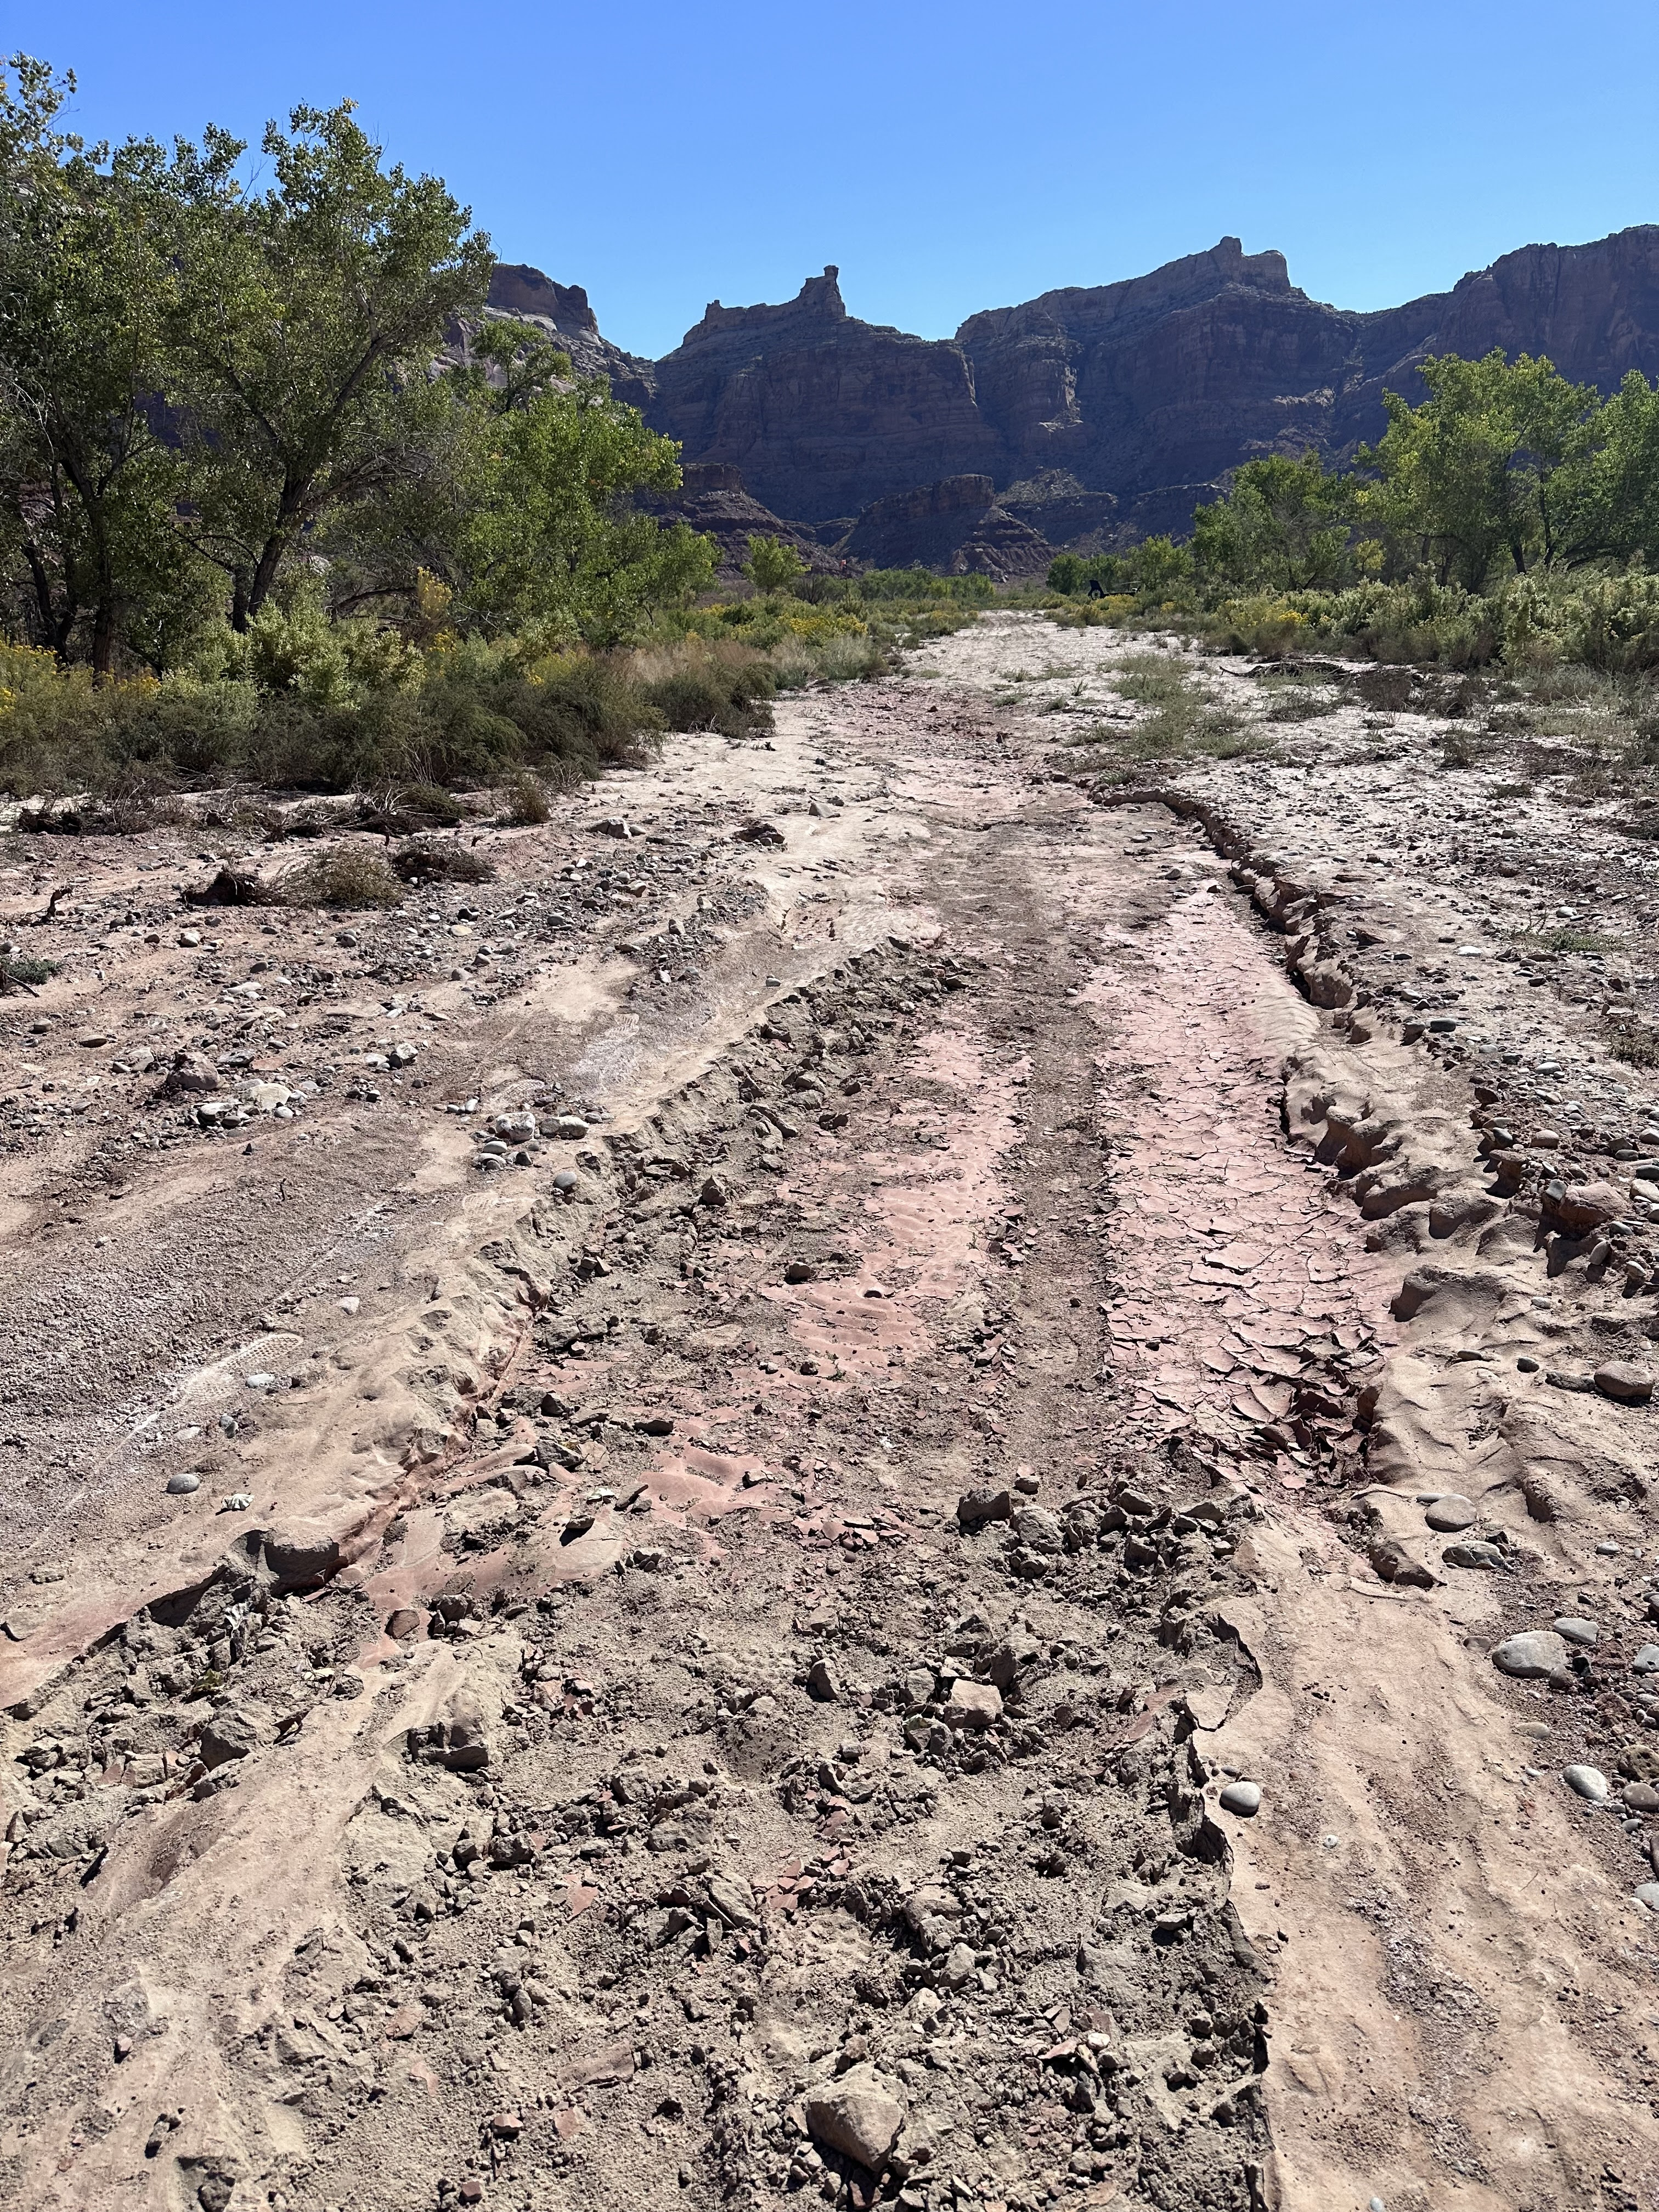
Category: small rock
[1586,1781]
[733,1900]
[299,1555]
[959,1967]
[1243,1798]
[1476,1554]
[973,1706]
[1581,1207]
[1630,1384]
[1569,1378]
[857,2117]
[821,1683]
[1575,1631]
[800,1271]
[569,1127]
[1531,1656]
[348,1683]
[1646,1661]
[564,1180]
[976,1507]
[404,1622]
[1647,1893]
[228,1735]
[1451,1512]
[1038,1530]
[1641,1797]
[1393,1563]
[182,1484]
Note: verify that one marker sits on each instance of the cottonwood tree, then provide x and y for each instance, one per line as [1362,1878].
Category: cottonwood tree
[304,332]
[87,478]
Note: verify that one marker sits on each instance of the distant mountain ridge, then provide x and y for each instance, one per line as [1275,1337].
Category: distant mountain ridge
[1092,414]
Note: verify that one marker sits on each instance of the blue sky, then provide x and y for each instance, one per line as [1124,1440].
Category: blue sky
[948,158]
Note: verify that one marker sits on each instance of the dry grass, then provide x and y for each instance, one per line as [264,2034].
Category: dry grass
[345,876]
[524,799]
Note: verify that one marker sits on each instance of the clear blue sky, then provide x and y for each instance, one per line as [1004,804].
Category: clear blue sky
[948,158]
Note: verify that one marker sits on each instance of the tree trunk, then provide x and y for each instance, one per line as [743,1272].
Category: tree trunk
[265,571]
[103,635]
[56,623]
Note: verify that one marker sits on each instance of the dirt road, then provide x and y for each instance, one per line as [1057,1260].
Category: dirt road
[812,1497]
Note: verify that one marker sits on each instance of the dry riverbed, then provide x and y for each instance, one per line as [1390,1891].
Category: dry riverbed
[812,1498]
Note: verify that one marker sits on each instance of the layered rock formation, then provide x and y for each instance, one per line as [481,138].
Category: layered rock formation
[821,413]
[561,312]
[957,525]
[1096,414]
[715,500]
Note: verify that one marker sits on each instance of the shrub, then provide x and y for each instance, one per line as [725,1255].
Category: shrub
[440,860]
[524,799]
[346,875]
[19,972]
[773,564]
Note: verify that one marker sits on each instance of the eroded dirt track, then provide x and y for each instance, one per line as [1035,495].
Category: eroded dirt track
[717,1675]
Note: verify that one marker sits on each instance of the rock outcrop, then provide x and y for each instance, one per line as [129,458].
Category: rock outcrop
[821,413]
[958,525]
[1095,414]
[713,501]
[561,312]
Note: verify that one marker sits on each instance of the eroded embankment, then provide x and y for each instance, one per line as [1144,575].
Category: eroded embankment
[1463,1974]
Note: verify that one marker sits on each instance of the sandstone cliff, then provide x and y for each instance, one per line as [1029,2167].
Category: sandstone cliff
[561,312]
[1096,414]
[821,413]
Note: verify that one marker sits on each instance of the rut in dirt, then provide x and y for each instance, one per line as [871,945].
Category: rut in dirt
[788,1776]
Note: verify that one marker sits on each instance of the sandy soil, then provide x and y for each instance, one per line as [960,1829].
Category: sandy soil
[645,1555]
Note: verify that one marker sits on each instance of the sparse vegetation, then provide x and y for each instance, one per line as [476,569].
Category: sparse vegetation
[524,799]
[440,860]
[19,972]
[346,876]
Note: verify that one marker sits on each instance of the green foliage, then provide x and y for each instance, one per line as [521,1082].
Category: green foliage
[1184,721]
[1475,471]
[524,799]
[527,520]
[921,586]
[215,387]
[1148,571]
[86,481]
[18,971]
[773,565]
[305,318]
[1283,526]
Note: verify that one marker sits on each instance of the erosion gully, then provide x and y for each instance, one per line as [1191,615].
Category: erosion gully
[760,1718]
